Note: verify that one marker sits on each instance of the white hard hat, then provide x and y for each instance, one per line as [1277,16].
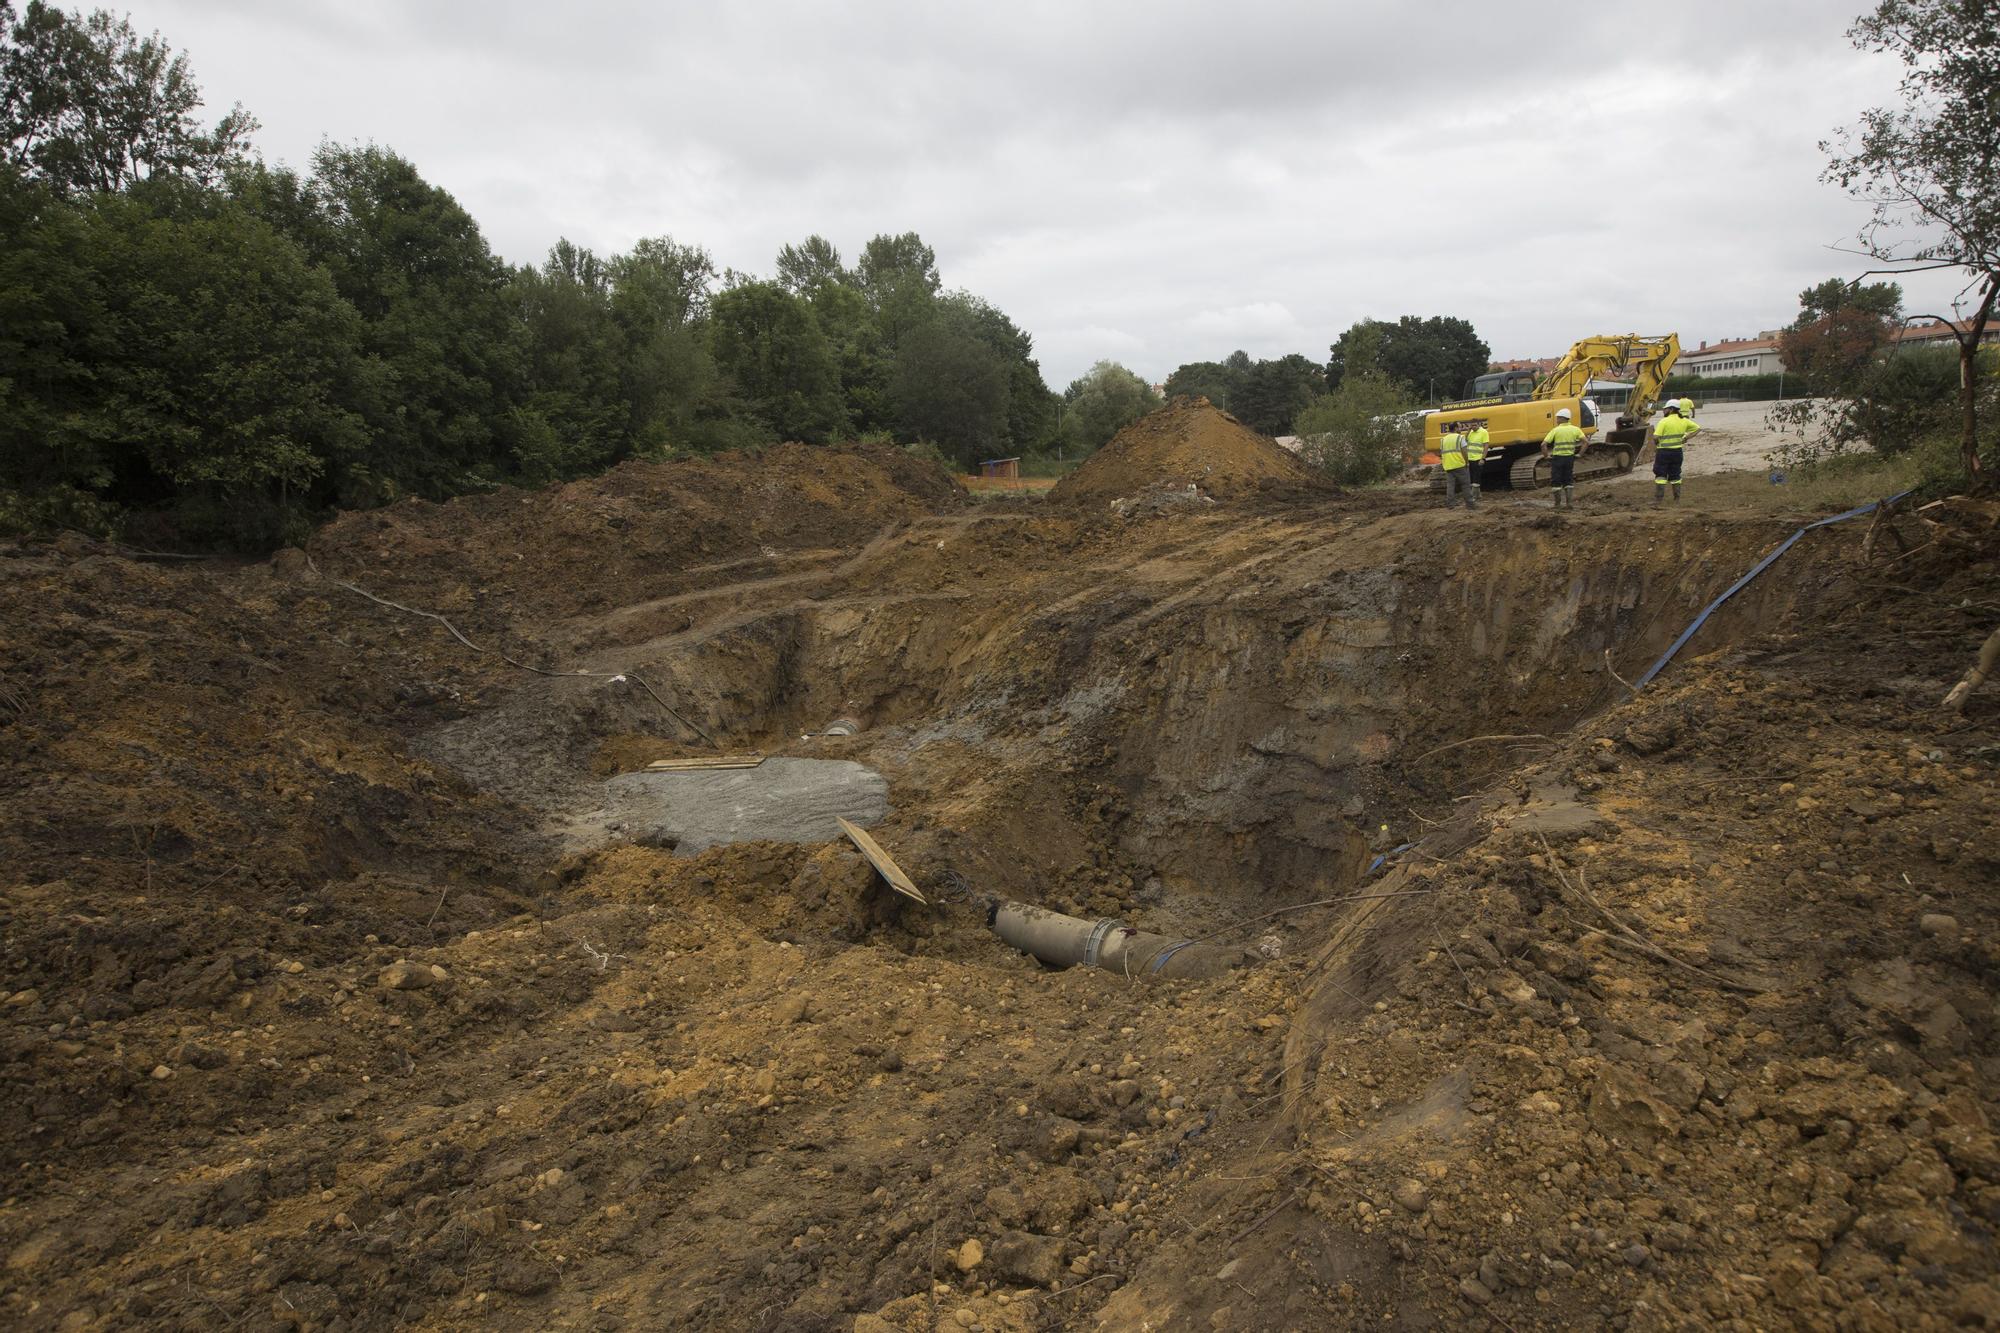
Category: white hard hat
[1673,405]
[1562,414]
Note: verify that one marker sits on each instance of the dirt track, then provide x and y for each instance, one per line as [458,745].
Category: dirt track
[750,1089]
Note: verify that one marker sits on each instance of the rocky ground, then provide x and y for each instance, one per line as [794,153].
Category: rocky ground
[329,1006]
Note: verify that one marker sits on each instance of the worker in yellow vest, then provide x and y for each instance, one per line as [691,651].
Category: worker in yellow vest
[1476,440]
[1560,446]
[1687,409]
[1457,476]
[1669,437]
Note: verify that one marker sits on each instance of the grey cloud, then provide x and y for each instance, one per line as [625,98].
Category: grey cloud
[1141,181]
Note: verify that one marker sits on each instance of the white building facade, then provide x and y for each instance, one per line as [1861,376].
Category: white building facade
[1732,357]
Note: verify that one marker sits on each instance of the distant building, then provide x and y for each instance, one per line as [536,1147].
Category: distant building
[1939,333]
[1540,365]
[1732,357]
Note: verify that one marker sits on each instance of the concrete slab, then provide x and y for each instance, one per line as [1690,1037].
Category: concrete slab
[781,800]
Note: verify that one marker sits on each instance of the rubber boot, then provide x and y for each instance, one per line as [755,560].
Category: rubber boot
[1659,494]
[1677,492]
[1569,496]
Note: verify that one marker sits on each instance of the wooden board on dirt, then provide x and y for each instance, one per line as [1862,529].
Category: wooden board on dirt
[705,762]
[885,864]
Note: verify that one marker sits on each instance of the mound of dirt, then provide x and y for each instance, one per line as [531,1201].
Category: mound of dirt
[629,534]
[1190,442]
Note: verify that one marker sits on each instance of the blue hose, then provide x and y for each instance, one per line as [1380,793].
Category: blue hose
[1744,582]
[1376,864]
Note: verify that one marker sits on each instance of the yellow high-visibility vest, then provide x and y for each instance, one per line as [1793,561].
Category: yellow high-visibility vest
[1476,440]
[1563,440]
[1672,433]
[1451,449]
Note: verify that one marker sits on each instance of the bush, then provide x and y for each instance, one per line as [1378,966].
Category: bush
[930,453]
[1905,404]
[1361,433]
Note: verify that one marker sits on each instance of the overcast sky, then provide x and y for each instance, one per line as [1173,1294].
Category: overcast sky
[1153,183]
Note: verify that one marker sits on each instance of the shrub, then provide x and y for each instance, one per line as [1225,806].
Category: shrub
[1905,403]
[1362,432]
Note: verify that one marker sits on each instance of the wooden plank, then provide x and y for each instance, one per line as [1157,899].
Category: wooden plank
[705,762]
[885,865]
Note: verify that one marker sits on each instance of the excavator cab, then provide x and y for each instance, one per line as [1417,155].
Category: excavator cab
[1503,386]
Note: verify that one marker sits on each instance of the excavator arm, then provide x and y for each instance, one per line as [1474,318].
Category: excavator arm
[1650,367]
[1651,359]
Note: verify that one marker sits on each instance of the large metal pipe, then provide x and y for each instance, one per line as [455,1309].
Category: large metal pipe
[1069,941]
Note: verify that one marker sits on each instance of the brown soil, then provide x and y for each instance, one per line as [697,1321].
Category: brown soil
[1189,442]
[752,1089]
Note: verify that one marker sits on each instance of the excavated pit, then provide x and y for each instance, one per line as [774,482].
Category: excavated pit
[1228,719]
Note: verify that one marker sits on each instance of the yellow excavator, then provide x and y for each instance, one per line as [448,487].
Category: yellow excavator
[1519,409]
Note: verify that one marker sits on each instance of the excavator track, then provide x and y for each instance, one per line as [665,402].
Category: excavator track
[1531,471]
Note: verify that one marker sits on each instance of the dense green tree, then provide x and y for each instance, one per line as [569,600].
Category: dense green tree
[1102,402]
[86,104]
[184,328]
[812,264]
[441,368]
[899,276]
[1433,358]
[950,383]
[1204,379]
[153,355]
[571,418]
[865,367]
[1358,349]
[1272,393]
[770,345]
[1884,300]
[670,389]
[1266,395]
[1031,406]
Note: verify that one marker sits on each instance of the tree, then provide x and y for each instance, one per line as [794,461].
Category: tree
[1841,328]
[768,343]
[898,275]
[86,104]
[1928,165]
[890,263]
[1103,402]
[1204,379]
[441,371]
[570,421]
[864,365]
[1884,300]
[1358,349]
[669,382]
[1432,357]
[1031,407]
[1272,393]
[950,385]
[189,358]
[1362,432]
[810,265]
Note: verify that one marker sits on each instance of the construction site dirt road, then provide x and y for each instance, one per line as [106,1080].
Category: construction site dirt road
[352,981]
